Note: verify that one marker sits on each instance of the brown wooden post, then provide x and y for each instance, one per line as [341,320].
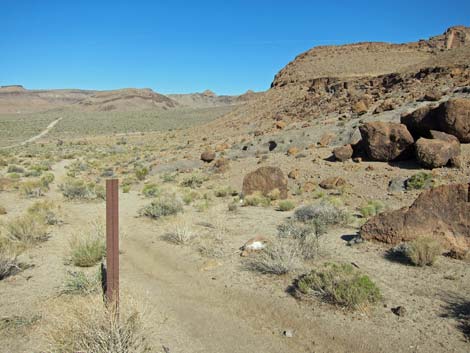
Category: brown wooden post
[112,241]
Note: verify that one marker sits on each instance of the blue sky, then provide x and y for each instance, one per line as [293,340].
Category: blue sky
[188,46]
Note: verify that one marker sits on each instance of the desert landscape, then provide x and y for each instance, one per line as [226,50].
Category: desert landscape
[329,213]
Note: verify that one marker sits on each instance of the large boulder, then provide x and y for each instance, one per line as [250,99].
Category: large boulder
[441,212]
[386,141]
[265,180]
[208,156]
[343,153]
[452,117]
[435,153]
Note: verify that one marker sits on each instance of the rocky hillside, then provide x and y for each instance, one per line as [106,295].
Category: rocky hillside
[210,99]
[352,80]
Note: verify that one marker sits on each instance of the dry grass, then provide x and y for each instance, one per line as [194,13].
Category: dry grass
[88,248]
[27,230]
[86,324]
[423,251]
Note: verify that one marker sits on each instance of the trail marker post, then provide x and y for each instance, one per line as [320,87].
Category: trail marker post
[112,242]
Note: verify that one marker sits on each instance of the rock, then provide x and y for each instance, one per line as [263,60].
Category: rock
[222,165]
[272,145]
[3,210]
[280,125]
[343,153]
[454,118]
[441,212]
[292,151]
[265,180]
[397,184]
[385,106]
[399,311]
[420,121]
[332,183]
[221,147]
[386,141]
[309,186]
[359,107]
[208,156]
[431,96]
[288,333]
[293,174]
[326,139]
[435,153]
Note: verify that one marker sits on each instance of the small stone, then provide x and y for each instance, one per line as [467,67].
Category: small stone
[399,311]
[288,333]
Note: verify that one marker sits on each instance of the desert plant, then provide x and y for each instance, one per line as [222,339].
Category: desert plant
[181,234]
[323,215]
[141,173]
[75,189]
[168,177]
[256,199]
[27,230]
[151,190]
[32,188]
[225,191]
[305,234]
[47,179]
[88,248]
[81,283]
[423,251]
[189,196]
[86,324]
[161,207]
[126,188]
[285,205]
[45,211]
[274,194]
[372,208]
[279,257]
[340,284]
[419,181]
[194,181]
[8,261]
[15,169]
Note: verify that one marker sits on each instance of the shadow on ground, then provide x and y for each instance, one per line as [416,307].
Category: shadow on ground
[458,308]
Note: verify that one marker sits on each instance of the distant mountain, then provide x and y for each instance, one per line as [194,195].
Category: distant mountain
[210,99]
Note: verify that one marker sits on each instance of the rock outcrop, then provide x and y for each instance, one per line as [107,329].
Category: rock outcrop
[441,212]
[265,180]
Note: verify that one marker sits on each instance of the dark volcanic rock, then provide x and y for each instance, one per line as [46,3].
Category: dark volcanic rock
[265,180]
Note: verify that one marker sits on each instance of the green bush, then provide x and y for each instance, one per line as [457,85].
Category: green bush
[340,284]
[161,207]
[88,248]
[141,173]
[168,177]
[151,190]
[194,181]
[47,179]
[225,191]
[15,169]
[79,283]
[78,189]
[372,208]
[45,211]
[305,234]
[285,205]
[322,215]
[423,251]
[419,181]
[33,188]
[256,199]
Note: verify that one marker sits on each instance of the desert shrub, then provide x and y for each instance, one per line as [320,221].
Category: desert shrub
[279,257]
[151,190]
[274,194]
[161,207]
[80,283]
[340,284]
[75,189]
[193,181]
[202,205]
[423,251]
[87,324]
[14,176]
[98,191]
[323,215]
[181,234]
[88,248]
[15,169]
[189,196]
[45,211]
[421,180]
[141,173]
[372,208]
[285,205]
[32,188]
[256,199]
[3,210]
[168,177]
[27,230]
[305,234]
[225,191]
[47,179]
[126,189]
[8,261]
[233,206]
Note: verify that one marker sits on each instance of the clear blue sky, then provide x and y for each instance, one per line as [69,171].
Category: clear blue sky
[187,46]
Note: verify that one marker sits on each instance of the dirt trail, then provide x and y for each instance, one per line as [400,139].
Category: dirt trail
[35,137]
